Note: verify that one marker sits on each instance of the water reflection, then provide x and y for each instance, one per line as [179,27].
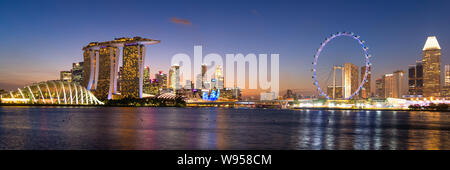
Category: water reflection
[218,128]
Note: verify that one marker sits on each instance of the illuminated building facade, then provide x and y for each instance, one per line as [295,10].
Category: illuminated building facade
[147,80]
[366,90]
[101,67]
[169,80]
[133,71]
[198,81]
[174,77]
[446,89]
[447,75]
[108,72]
[398,84]
[338,92]
[380,87]
[90,56]
[65,76]
[415,79]
[351,80]
[431,58]
[161,80]
[77,72]
[119,79]
[388,85]
[218,75]
[393,84]
[204,76]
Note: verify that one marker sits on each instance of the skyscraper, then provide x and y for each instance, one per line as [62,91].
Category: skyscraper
[77,72]
[204,76]
[119,79]
[388,85]
[365,91]
[199,81]
[351,81]
[415,79]
[219,77]
[380,88]
[174,77]
[101,66]
[398,84]
[161,80]
[107,77]
[446,89]
[447,75]
[412,79]
[133,71]
[90,68]
[393,84]
[431,58]
[169,80]
[147,81]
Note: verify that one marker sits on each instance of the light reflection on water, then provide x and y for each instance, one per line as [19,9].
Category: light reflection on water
[219,128]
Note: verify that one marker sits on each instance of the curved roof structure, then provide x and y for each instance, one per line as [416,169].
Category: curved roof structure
[52,92]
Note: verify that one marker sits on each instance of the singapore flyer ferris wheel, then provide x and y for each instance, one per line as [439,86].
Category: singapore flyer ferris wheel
[367,57]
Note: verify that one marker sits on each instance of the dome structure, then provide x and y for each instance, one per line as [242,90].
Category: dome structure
[51,92]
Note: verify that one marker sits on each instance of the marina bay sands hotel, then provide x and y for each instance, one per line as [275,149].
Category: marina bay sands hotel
[101,67]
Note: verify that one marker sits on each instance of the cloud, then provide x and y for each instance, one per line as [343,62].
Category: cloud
[180,21]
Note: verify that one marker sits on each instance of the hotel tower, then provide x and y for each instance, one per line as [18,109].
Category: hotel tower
[101,67]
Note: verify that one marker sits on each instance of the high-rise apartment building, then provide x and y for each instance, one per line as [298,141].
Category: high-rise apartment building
[431,58]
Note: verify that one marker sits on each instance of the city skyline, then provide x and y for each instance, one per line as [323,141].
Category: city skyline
[294,38]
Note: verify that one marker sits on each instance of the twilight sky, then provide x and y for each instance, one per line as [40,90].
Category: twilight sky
[39,38]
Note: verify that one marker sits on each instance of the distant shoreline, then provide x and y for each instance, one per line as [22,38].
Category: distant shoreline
[304,108]
[326,108]
[75,105]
